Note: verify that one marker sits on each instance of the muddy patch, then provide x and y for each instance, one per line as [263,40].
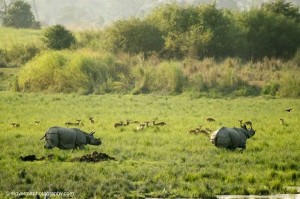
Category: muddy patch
[31,158]
[94,157]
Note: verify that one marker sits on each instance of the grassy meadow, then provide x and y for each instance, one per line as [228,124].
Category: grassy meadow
[11,36]
[163,161]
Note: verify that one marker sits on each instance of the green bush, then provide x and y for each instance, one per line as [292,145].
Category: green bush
[271,89]
[58,37]
[90,39]
[268,34]
[133,36]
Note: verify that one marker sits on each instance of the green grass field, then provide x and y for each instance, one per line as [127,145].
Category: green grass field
[156,162]
[10,37]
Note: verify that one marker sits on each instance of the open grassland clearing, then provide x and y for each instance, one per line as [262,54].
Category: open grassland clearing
[10,37]
[161,161]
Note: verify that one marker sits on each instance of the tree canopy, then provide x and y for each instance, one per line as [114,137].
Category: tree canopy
[175,31]
[19,15]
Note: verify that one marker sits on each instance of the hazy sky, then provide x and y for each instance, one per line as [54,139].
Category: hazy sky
[83,14]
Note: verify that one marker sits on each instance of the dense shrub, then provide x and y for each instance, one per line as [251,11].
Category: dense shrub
[58,37]
[90,39]
[271,89]
[133,36]
[202,31]
[269,35]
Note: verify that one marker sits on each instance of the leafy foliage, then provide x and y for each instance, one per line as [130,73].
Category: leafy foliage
[269,34]
[133,36]
[58,37]
[19,15]
[206,31]
[284,8]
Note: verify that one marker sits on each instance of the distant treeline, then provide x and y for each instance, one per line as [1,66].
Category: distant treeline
[174,31]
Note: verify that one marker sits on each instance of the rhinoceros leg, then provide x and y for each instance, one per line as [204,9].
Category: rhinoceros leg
[81,146]
[48,146]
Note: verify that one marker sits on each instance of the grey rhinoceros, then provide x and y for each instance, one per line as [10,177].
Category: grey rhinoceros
[231,138]
[69,138]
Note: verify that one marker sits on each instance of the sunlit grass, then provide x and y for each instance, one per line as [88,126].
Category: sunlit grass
[11,36]
[155,162]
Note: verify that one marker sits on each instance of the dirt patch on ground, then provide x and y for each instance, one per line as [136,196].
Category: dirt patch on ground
[94,157]
[32,158]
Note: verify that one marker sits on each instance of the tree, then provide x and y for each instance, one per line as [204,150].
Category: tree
[133,36]
[19,15]
[283,8]
[58,37]
[197,31]
[270,35]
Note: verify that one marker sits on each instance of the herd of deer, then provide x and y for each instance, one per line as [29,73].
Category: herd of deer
[140,126]
[146,124]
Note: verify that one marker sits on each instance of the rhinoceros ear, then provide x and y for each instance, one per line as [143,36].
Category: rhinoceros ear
[93,132]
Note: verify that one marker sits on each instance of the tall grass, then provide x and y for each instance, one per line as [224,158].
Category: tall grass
[18,46]
[66,71]
[84,71]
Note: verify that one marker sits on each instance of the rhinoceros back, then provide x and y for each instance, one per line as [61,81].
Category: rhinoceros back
[221,138]
[65,138]
[229,138]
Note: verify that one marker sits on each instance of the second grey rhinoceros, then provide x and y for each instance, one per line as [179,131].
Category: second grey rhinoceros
[231,138]
[69,138]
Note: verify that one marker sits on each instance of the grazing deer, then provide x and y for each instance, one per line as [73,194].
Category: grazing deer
[289,110]
[210,119]
[248,123]
[127,122]
[204,131]
[16,125]
[193,131]
[196,130]
[37,122]
[72,123]
[141,126]
[242,125]
[282,122]
[159,123]
[91,120]
[117,124]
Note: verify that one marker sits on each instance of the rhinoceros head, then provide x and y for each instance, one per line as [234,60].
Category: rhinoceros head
[251,132]
[92,140]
